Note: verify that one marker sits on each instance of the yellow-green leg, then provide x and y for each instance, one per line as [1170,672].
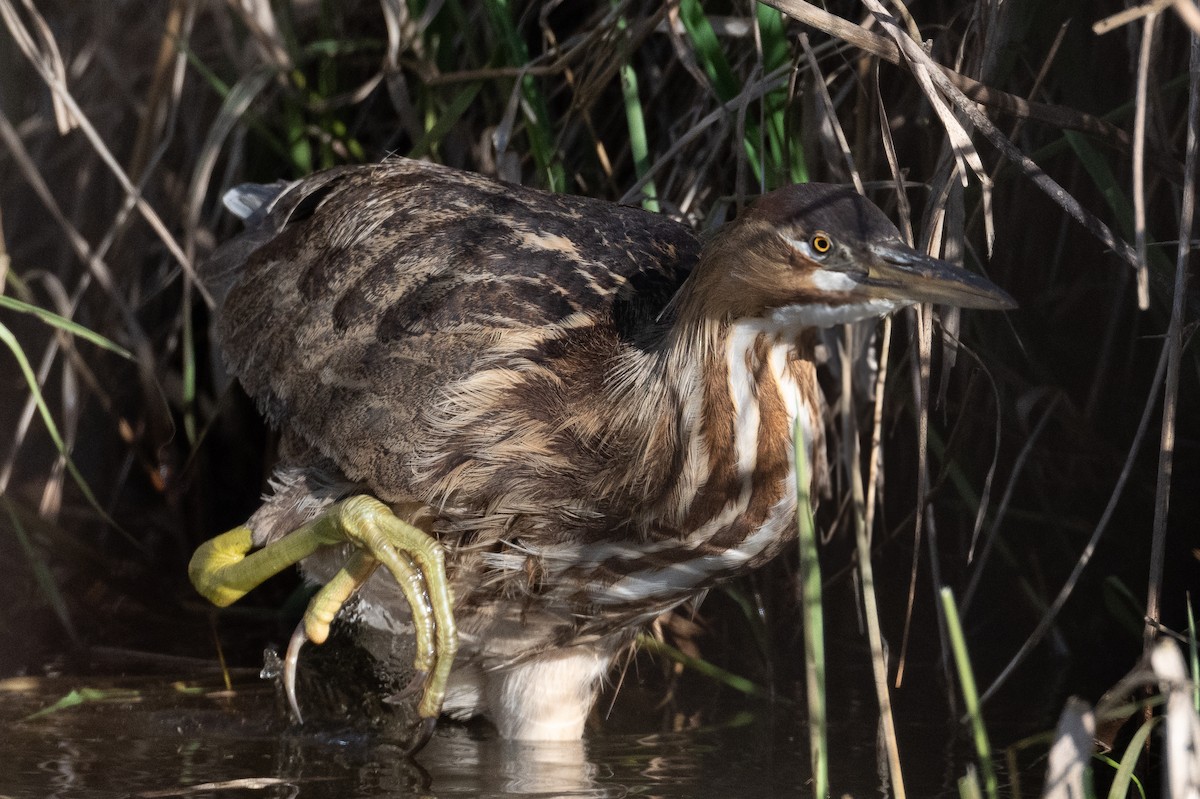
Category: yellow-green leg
[225,569]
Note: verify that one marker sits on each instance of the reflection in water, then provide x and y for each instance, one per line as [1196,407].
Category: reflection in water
[474,765]
[149,738]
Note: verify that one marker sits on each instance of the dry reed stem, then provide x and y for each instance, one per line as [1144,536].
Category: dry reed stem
[870,604]
[1174,350]
[1139,161]
[168,72]
[1067,767]
[1128,15]
[59,90]
[923,69]
[1187,11]
[831,113]
[45,51]
[1052,115]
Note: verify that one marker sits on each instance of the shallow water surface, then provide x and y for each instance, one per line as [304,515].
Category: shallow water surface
[154,737]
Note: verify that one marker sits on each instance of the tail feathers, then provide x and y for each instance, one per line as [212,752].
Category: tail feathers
[251,202]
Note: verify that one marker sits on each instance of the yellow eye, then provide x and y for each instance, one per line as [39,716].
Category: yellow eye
[820,243]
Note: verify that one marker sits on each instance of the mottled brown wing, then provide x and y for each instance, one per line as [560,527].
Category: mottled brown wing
[366,291]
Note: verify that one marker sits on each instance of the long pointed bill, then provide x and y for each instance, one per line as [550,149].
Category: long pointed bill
[896,271]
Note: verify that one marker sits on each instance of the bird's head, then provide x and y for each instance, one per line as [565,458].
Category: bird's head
[816,255]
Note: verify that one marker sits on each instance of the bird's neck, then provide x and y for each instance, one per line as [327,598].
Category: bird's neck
[713,491]
[717,400]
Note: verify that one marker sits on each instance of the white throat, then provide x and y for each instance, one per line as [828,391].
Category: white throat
[797,317]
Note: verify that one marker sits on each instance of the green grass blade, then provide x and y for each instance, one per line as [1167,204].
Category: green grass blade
[188,356]
[708,49]
[65,324]
[41,572]
[81,696]
[537,123]
[716,673]
[785,159]
[299,148]
[775,47]
[635,120]
[754,619]
[9,340]
[814,619]
[712,60]
[1102,175]
[1121,205]
[1120,784]
[446,120]
[222,89]
[966,679]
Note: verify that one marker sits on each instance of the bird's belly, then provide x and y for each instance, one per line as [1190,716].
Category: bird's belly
[671,571]
[757,519]
[646,573]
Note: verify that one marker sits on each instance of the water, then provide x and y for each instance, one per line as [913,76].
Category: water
[158,737]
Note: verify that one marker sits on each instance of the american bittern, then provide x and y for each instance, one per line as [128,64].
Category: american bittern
[550,418]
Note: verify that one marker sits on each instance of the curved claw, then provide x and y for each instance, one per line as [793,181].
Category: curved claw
[290,661]
[424,732]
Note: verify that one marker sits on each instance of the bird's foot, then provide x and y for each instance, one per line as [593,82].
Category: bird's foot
[224,569]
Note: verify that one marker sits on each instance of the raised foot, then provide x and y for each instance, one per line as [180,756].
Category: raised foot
[225,569]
